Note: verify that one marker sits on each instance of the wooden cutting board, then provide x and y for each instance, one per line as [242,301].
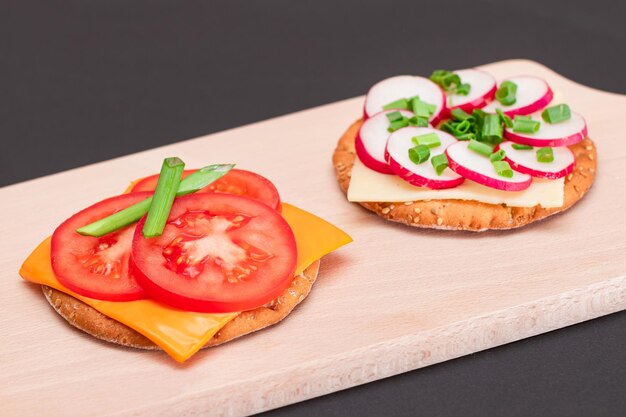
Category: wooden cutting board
[374,312]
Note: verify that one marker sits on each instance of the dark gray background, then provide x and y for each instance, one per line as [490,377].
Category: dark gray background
[84,81]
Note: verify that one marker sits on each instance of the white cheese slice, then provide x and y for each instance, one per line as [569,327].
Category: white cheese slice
[368,185]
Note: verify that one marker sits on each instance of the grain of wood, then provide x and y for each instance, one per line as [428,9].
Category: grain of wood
[372,314]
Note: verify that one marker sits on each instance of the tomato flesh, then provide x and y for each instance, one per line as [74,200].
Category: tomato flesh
[97,267]
[237,182]
[218,253]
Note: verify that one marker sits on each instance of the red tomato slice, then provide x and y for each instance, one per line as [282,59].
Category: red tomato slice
[218,253]
[237,182]
[97,267]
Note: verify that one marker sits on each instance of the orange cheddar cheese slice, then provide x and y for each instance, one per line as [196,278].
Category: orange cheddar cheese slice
[183,333]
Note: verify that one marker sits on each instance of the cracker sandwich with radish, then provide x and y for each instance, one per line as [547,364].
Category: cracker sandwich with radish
[462,151]
[182,260]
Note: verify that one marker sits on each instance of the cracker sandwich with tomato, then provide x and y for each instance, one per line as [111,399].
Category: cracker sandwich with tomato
[182,260]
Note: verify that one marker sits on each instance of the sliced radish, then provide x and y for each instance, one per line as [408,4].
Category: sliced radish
[533,94]
[424,174]
[564,133]
[483,89]
[372,138]
[525,161]
[478,168]
[404,86]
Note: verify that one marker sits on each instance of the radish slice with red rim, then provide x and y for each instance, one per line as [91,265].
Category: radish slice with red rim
[482,90]
[566,133]
[424,174]
[404,86]
[525,161]
[478,168]
[372,138]
[533,94]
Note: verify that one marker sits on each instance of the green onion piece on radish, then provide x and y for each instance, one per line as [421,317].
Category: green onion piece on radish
[506,93]
[503,169]
[418,121]
[431,108]
[506,120]
[450,82]
[478,114]
[394,116]
[420,108]
[190,184]
[492,129]
[163,197]
[448,126]
[438,75]
[398,104]
[429,139]
[463,127]
[459,114]
[463,89]
[440,163]
[419,154]
[481,148]
[545,155]
[497,156]
[524,124]
[556,114]
[398,124]
[466,136]
[520,147]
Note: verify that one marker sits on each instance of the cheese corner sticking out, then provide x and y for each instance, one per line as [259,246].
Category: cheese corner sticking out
[368,185]
[183,333]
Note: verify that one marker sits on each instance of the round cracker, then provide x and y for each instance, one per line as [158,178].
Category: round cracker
[91,321]
[463,214]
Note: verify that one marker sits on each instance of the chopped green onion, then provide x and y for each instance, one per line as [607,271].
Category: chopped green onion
[524,124]
[450,82]
[394,116]
[420,108]
[163,197]
[497,156]
[438,76]
[419,154]
[491,131]
[398,124]
[190,184]
[464,126]
[506,93]
[418,121]
[429,139]
[520,147]
[459,114]
[401,103]
[478,114]
[440,163]
[545,155]
[463,89]
[480,147]
[556,114]
[466,136]
[448,126]
[479,118]
[503,169]
[506,120]
[117,220]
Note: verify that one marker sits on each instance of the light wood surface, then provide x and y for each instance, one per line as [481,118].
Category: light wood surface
[375,310]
